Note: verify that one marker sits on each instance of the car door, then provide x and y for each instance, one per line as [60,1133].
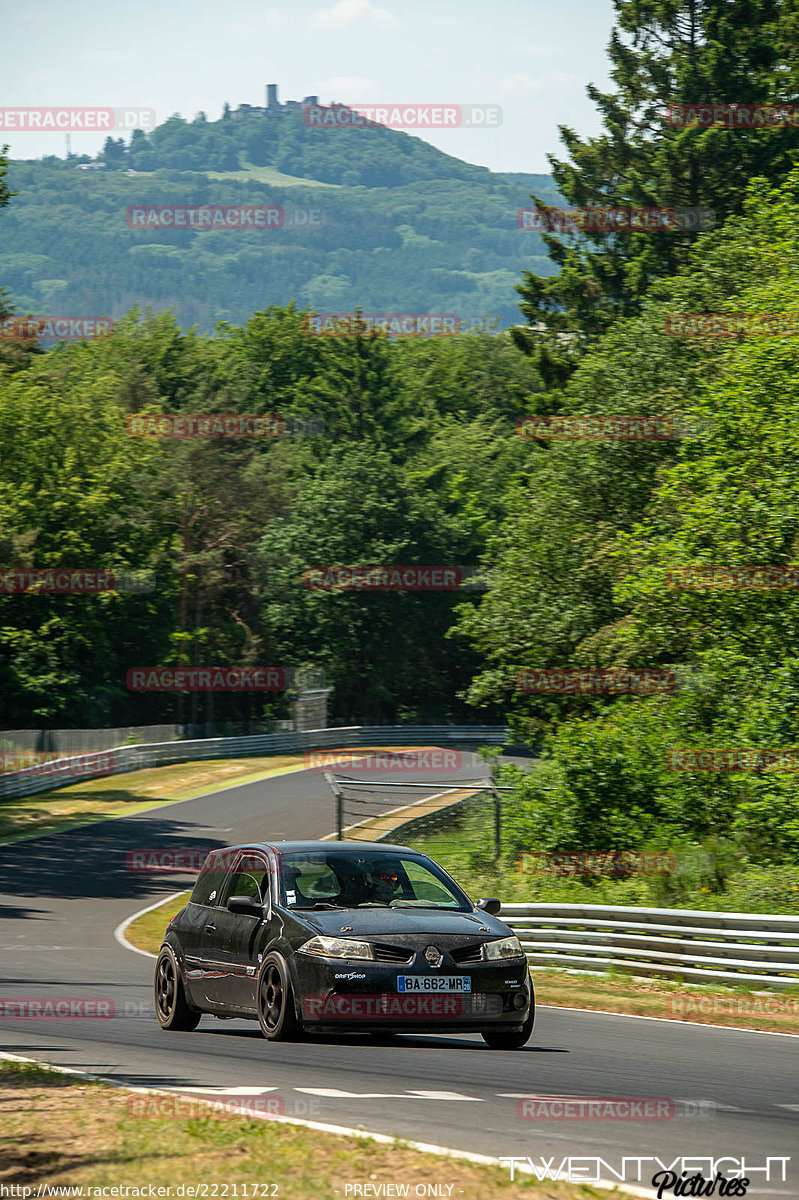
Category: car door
[232,985]
[248,935]
[201,930]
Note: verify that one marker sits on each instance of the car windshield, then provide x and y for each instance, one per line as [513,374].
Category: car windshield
[331,879]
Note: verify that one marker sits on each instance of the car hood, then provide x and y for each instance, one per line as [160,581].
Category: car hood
[376,922]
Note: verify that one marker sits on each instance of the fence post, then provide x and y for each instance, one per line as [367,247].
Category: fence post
[497,822]
[339,804]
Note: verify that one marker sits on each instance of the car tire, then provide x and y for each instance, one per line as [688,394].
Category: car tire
[511,1039]
[275,998]
[173,1011]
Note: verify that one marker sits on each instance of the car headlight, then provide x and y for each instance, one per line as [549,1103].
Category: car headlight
[509,947]
[330,947]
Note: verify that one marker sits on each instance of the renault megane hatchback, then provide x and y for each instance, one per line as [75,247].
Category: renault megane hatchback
[346,936]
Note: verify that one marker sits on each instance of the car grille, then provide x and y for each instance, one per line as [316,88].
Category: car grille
[391,954]
[467,956]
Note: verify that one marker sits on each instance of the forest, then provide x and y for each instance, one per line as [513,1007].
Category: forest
[421,451]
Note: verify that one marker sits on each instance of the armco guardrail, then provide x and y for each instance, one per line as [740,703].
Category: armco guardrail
[64,771]
[689,943]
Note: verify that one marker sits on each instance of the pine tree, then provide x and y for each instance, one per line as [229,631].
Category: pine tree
[665,54]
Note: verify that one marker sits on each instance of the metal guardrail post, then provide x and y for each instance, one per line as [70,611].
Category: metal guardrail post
[329,779]
[497,822]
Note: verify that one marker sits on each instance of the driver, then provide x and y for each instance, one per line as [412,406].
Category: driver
[382,885]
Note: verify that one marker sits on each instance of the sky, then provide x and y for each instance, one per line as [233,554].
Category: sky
[532,58]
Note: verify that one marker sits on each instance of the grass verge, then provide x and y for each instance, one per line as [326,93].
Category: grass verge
[63,1132]
[740,1007]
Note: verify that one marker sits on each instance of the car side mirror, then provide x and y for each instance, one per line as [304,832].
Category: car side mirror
[491,905]
[246,906]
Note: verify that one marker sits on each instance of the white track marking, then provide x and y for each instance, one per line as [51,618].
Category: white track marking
[226,1091]
[341,1130]
[119,932]
[605,1012]
[340,1094]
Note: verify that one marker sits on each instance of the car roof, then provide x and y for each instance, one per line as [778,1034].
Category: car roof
[289,847]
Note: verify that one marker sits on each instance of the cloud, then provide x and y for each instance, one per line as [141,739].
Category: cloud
[353,12]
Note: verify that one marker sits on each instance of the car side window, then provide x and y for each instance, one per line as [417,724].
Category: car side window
[425,886]
[209,881]
[250,878]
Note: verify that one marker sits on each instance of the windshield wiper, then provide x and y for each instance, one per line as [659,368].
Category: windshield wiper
[316,904]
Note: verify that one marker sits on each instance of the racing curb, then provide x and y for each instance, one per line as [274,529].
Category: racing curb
[385,1139]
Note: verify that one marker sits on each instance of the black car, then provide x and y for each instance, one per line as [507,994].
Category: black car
[323,936]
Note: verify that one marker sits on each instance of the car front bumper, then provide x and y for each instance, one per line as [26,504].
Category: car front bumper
[365,995]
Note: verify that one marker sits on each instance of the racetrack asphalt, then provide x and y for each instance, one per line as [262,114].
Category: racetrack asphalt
[62,896]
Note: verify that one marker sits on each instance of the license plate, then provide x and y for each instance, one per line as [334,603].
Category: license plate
[434,983]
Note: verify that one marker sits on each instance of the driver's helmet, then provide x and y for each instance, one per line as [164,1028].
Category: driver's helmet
[384,883]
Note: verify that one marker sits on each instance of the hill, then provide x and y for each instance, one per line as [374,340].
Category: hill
[374,218]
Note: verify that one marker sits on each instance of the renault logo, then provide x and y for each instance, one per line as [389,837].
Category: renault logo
[433,956]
